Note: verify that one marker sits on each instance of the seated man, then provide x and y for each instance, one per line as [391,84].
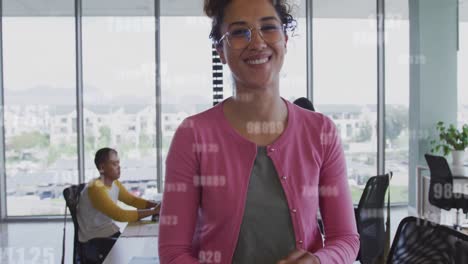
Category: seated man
[97,208]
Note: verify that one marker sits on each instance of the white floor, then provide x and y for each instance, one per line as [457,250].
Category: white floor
[39,243]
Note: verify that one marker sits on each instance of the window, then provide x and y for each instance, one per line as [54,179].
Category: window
[119,89]
[349,130]
[397,67]
[74,125]
[340,44]
[293,82]
[186,63]
[39,70]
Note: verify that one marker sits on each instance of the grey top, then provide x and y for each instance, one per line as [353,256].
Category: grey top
[266,233]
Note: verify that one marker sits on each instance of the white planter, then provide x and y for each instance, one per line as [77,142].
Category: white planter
[457,162]
[458,157]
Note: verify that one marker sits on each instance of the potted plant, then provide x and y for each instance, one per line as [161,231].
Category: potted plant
[451,140]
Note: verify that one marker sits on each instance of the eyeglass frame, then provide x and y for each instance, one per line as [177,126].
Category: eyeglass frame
[250,28]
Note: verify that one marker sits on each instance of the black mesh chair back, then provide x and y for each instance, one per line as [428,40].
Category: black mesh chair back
[370,218]
[441,181]
[304,103]
[72,197]
[418,241]
[439,167]
[441,192]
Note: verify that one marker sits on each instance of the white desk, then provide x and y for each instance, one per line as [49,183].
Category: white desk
[128,247]
[144,228]
[423,207]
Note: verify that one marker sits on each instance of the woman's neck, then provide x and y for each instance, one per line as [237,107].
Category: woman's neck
[258,106]
[260,118]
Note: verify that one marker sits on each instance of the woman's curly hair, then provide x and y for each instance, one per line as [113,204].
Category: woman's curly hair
[215,10]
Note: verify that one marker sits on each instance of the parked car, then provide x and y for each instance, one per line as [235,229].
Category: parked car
[11,192]
[46,195]
[135,190]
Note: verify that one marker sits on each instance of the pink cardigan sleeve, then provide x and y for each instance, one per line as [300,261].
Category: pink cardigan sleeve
[180,200]
[336,207]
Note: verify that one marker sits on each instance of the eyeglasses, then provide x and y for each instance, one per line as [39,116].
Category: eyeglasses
[240,37]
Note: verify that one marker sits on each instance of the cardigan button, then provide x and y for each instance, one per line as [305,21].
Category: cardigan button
[272,149]
[284,177]
[300,241]
[294,210]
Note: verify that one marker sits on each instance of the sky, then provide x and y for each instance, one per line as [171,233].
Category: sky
[118,59]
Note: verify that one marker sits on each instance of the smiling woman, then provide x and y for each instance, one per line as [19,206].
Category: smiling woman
[263,179]
[259,26]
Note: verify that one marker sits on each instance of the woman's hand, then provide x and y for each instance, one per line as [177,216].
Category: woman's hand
[300,256]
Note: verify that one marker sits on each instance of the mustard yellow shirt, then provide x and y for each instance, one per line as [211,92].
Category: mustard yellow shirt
[98,194]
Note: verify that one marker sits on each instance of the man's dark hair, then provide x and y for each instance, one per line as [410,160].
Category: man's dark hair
[304,103]
[102,156]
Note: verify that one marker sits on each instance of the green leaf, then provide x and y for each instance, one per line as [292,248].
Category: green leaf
[450,138]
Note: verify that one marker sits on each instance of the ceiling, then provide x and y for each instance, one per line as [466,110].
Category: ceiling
[322,8]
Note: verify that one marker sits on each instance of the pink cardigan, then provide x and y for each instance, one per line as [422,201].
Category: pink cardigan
[207,174]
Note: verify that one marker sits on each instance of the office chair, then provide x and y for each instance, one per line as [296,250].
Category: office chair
[81,254]
[421,241]
[441,192]
[72,197]
[304,103]
[370,219]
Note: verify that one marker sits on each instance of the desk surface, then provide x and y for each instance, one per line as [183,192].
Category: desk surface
[458,173]
[128,247]
[143,228]
[422,202]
